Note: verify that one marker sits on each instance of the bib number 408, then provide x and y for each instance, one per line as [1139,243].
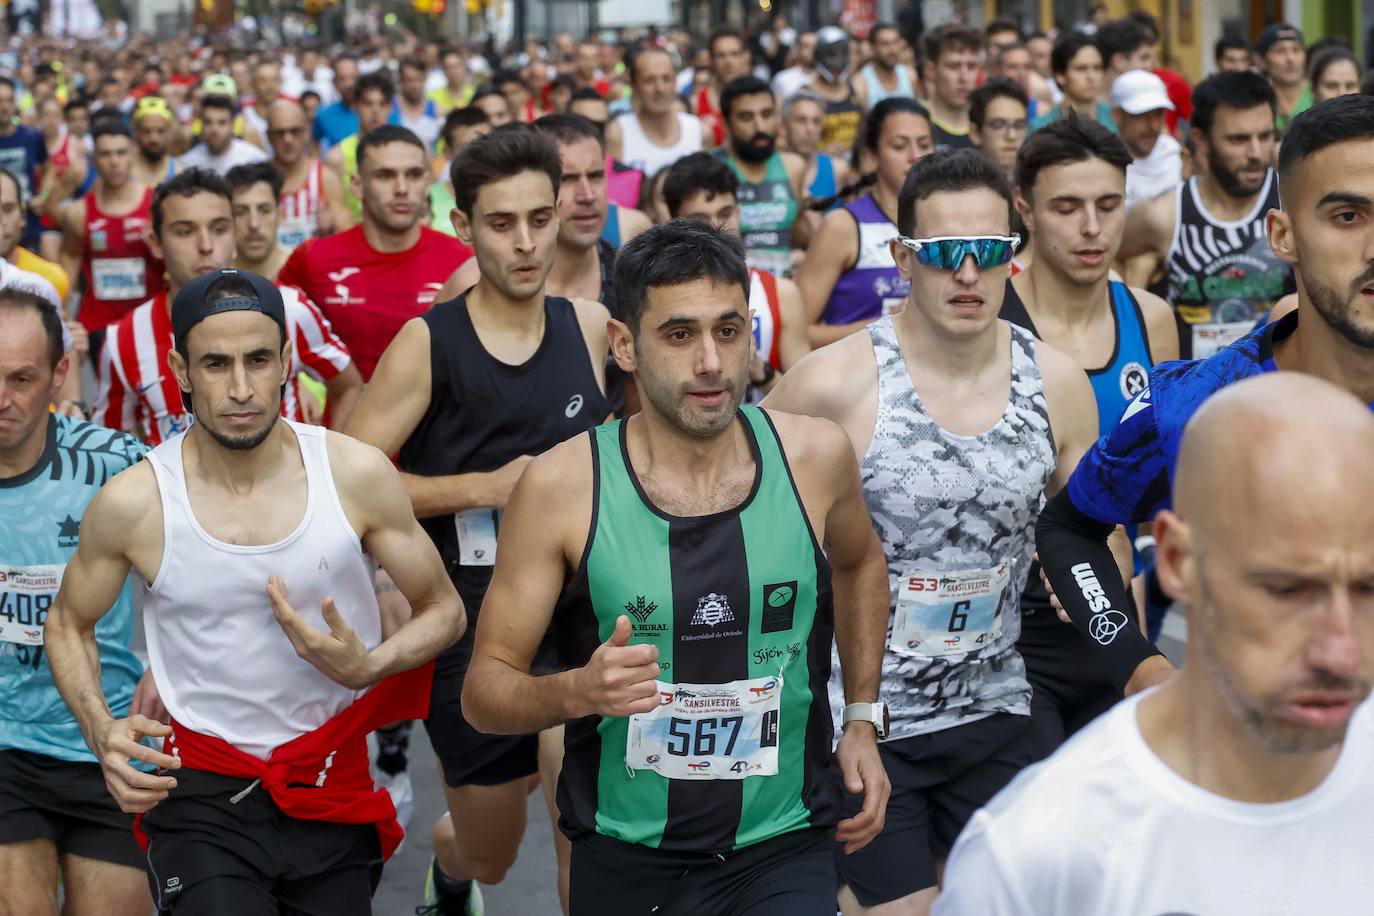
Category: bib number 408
[697,738]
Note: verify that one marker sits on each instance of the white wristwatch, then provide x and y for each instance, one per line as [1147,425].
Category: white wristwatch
[876,713]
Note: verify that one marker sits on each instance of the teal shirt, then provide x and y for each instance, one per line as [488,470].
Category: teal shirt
[1104,117]
[42,509]
[441,204]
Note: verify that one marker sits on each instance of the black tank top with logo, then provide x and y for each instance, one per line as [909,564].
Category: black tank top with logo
[483,413]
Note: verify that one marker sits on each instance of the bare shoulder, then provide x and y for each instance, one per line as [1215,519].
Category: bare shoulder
[829,381]
[557,488]
[632,223]
[792,162]
[590,311]
[1157,313]
[124,507]
[789,294]
[567,465]
[357,468]
[815,442]
[1059,371]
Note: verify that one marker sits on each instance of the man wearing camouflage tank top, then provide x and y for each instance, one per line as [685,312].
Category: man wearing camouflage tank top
[954,477]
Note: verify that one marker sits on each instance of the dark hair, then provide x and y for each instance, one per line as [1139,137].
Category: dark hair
[243,177]
[999,87]
[567,129]
[489,91]
[502,77]
[738,88]
[693,174]
[503,153]
[471,116]
[414,63]
[676,252]
[949,37]
[948,170]
[218,101]
[387,133]
[449,51]
[1066,48]
[638,51]
[6,81]
[19,298]
[377,81]
[1003,24]
[110,127]
[310,92]
[586,94]
[186,183]
[724,31]
[883,27]
[1072,139]
[1229,43]
[75,103]
[1325,59]
[1147,21]
[1120,36]
[870,132]
[1239,89]
[1346,117]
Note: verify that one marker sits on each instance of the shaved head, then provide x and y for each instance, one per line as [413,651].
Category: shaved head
[288,132]
[1271,548]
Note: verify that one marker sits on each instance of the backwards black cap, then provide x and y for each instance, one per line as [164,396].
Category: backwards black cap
[191,305]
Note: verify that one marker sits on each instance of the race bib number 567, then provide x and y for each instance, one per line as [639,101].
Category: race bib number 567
[709,731]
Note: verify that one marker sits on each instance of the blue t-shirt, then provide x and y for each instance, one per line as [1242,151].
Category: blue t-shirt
[42,509]
[22,153]
[1127,476]
[334,122]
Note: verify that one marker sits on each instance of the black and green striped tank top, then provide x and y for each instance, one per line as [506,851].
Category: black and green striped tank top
[739,605]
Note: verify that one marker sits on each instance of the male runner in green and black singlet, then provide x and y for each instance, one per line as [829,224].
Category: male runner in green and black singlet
[696,758]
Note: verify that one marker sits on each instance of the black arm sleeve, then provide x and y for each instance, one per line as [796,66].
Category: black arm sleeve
[1083,573]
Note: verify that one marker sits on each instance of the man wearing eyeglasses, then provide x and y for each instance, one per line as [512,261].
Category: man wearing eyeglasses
[312,198]
[962,424]
[998,113]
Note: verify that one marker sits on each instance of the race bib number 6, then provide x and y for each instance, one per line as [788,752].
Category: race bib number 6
[709,731]
[948,613]
[25,596]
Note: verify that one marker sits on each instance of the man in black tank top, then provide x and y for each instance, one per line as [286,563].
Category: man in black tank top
[1210,233]
[469,393]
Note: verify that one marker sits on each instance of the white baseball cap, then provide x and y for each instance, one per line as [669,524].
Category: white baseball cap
[1138,91]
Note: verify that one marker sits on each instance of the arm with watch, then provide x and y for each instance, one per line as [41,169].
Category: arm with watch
[861,601]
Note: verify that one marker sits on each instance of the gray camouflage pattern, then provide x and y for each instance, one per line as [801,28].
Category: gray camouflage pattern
[943,503]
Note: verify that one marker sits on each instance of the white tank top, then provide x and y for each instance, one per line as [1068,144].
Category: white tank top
[300,210]
[639,152]
[222,663]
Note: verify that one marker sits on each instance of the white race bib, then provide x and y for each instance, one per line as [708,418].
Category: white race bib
[948,613]
[709,731]
[26,594]
[119,278]
[775,261]
[1209,338]
[476,536]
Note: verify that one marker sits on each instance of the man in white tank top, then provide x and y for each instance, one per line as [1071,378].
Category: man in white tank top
[257,539]
[657,133]
[962,424]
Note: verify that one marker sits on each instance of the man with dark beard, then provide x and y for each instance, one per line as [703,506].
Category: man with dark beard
[154,130]
[770,182]
[1222,274]
[1326,228]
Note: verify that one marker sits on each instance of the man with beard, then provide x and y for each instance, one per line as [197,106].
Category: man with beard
[219,150]
[154,132]
[373,278]
[1210,233]
[1324,229]
[952,56]
[885,76]
[677,557]
[193,231]
[1257,752]
[843,114]
[312,197]
[1283,58]
[1140,104]
[263,802]
[468,392]
[770,182]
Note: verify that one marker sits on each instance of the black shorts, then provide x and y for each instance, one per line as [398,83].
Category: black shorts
[469,757]
[938,781]
[211,856]
[42,797]
[1069,684]
[789,875]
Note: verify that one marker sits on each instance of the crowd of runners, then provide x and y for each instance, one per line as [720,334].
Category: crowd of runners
[779,448]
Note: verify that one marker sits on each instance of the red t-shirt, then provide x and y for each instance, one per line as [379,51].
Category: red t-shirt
[366,294]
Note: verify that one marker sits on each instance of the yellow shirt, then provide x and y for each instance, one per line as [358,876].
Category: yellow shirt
[48,270]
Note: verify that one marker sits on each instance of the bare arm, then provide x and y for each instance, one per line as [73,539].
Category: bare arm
[461,280]
[615,139]
[124,513]
[1072,409]
[343,391]
[336,216]
[1160,325]
[802,229]
[1149,228]
[708,137]
[73,228]
[632,223]
[545,529]
[392,406]
[794,343]
[834,250]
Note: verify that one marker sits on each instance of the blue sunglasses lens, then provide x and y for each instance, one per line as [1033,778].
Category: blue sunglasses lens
[949,254]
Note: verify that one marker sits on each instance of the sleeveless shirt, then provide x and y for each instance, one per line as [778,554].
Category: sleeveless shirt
[877,92]
[767,213]
[119,270]
[872,287]
[639,152]
[300,210]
